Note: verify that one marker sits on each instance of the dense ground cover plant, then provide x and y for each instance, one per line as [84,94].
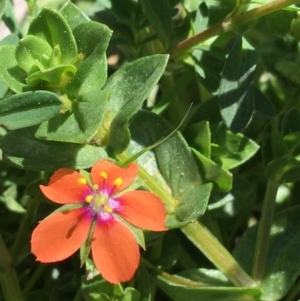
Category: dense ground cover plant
[169,125]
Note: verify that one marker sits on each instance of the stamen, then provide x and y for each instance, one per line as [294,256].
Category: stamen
[107,209]
[118,182]
[81,181]
[103,174]
[89,198]
[96,186]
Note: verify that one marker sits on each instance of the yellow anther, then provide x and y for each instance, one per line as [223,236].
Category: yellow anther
[107,209]
[81,181]
[103,174]
[89,198]
[118,181]
[96,186]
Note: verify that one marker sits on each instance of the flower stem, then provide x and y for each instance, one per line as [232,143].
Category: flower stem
[229,24]
[264,228]
[204,240]
[8,278]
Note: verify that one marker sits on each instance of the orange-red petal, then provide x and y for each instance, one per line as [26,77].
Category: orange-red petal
[115,251]
[143,209]
[64,187]
[60,235]
[127,174]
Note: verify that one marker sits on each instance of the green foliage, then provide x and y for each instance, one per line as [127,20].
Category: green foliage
[203,96]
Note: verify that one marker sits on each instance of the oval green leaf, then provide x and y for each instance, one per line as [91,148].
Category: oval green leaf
[21,149]
[28,108]
[50,26]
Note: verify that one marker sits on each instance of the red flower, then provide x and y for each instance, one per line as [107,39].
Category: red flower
[114,248]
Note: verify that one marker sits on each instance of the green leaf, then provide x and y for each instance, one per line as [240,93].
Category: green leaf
[50,26]
[129,87]
[73,15]
[199,291]
[21,149]
[159,15]
[10,72]
[28,108]
[92,39]
[9,199]
[194,203]
[214,172]
[239,148]
[54,77]
[200,136]
[30,51]
[79,126]
[11,39]
[236,92]
[172,159]
[131,294]
[283,261]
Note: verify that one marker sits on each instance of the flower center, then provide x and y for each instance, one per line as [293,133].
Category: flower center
[100,199]
[99,202]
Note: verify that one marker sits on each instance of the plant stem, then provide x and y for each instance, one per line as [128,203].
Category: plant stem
[264,229]
[34,278]
[203,239]
[8,278]
[172,278]
[229,24]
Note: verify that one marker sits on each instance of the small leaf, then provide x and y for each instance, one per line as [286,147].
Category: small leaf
[10,72]
[79,126]
[28,108]
[212,171]
[21,149]
[239,148]
[92,39]
[200,136]
[50,26]
[236,94]
[9,199]
[73,15]
[129,87]
[54,77]
[131,294]
[30,50]
[194,203]
[159,15]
